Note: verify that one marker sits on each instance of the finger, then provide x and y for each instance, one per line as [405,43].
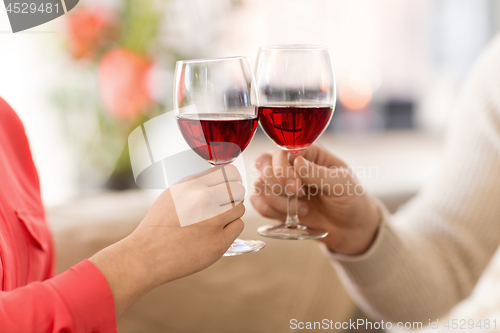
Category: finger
[228,206]
[313,174]
[232,230]
[284,171]
[276,200]
[264,165]
[321,156]
[195,176]
[265,210]
[226,193]
[261,159]
[230,213]
[226,214]
[225,174]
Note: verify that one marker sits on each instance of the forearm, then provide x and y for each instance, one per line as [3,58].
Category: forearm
[124,266]
[407,275]
[430,255]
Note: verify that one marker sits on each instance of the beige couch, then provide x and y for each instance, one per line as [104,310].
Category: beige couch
[259,292]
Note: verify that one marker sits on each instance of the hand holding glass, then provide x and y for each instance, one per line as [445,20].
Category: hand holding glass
[216,115]
[296,91]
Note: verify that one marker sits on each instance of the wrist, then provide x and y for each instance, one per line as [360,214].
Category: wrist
[358,239]
[140,260]
[124,269]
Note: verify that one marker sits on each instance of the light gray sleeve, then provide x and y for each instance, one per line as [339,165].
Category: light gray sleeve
[429,256]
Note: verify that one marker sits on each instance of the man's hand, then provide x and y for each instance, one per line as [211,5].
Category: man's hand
[330,197]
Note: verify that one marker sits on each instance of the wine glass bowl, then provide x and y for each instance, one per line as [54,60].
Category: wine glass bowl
[296,91]
[216,115]
[294,127]
[219,139]
[216,112]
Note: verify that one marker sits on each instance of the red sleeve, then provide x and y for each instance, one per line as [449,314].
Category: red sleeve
[76,301]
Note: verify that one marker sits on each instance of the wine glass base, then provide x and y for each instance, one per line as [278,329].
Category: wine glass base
[241,246]
[293,232]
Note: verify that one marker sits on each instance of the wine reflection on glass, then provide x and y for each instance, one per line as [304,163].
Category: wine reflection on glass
[217,115]
[296,91]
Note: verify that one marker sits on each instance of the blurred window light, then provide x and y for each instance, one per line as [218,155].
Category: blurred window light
[355,93]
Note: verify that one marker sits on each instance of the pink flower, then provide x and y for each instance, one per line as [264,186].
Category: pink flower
[88,29]
[123,80]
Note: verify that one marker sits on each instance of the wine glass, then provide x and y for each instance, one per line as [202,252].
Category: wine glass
[296,92]
[217,115]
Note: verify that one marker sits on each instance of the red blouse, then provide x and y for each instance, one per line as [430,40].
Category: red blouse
[78,300]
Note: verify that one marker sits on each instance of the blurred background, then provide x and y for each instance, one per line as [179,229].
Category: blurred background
[82,82]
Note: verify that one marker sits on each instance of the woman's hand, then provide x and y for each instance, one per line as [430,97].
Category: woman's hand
[330,197]
[188,228]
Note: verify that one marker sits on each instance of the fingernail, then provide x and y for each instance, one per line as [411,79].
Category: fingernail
[300,159]
[303,210]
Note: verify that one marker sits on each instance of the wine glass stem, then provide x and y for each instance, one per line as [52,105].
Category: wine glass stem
[230,196]
[292,218]
[227,185]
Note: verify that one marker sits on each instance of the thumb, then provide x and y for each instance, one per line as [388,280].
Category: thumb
[313,174]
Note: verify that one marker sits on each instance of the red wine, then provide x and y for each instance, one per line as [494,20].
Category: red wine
[295,127]
[217,138]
